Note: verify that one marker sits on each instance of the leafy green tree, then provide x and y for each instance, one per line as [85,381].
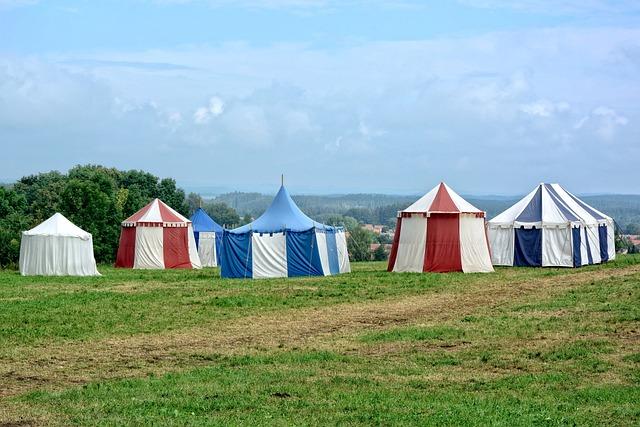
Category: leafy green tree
[380,254]
[195,201]
[358,244]
[246,219]
[13,220]
[348,222]
[169,193]
[222,214]
[91,205]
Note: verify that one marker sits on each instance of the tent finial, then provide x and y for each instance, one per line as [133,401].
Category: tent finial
[282,179]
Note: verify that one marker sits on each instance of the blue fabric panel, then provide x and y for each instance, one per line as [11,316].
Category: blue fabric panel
[533,211]
[201,221]
[219,246]
[586,239]
[332,249]
[196,235]
[528,247]
[236,261]
[604,243]
[303,258]
[282,214]
[577,255]
[568,213]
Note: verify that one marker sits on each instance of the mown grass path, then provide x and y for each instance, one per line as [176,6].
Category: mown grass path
[392,332]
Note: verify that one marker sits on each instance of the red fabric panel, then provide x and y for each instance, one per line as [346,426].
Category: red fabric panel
[166,214]
[394,247]
[136,216]
[443,243]
[443,202]
[176,247]
[126,248]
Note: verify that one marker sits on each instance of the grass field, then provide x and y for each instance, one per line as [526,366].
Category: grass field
[518,347]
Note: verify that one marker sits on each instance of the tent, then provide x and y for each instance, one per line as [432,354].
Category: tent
[440,232]
[157,237]
[551,227]
[208,235]
[57,247]
[284,242]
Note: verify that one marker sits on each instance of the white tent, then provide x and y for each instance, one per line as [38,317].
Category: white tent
[551,227]
[57,247]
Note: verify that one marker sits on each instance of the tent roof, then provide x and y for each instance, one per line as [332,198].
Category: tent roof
[550,204]
[282,214]
[58,225]
[156,212]
[203,222]
[442,199]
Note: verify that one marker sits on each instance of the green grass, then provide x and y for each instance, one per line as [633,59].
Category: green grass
[518,347]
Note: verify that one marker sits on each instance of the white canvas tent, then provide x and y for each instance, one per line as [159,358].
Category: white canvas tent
[57,247]
[550,227]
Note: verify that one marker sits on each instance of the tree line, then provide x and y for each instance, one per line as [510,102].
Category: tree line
[95,198]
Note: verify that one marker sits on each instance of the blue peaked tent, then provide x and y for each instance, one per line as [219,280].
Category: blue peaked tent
[284,242]
[208,235]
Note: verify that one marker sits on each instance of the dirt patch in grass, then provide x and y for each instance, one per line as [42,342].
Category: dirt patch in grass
[53,367]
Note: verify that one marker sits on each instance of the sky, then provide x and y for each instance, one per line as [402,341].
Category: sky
[387,96]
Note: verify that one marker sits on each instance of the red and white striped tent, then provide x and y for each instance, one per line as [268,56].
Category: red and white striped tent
[440,232]
[157,237]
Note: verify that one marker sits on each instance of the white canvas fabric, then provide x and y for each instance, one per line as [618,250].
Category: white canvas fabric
[58,225]
[149,248]
[269,255]
[551,213]
[412,244]
[207,248]
[462,204]
[423,203]
[56,256]
[509,216]
[321,238]
[343,255]
[559,209]
[474,250]
[556,247]
[501,242]
[611,242]
[57,247]
[194,258]
[594,243]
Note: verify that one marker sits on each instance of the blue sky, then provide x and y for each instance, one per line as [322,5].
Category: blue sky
[340,96]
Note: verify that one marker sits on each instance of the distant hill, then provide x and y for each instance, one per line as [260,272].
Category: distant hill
[625,209]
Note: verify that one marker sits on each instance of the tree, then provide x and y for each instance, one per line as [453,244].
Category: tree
[222,214]
[380,254]
[94,197]
[358,244]
[195,201]
[13,220]
[246,219]
[348,222]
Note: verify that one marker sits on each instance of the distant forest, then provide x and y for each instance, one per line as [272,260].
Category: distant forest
[382,208]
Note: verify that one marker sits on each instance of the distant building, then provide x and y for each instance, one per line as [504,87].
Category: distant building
[376,228]
[634,239]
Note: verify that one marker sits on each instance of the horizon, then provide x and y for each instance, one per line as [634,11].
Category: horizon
[384,96]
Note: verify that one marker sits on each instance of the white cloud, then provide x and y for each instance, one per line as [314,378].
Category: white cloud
[356,108]
[214,109]
[544,108]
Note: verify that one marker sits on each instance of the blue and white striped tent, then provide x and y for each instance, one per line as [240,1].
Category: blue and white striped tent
[551,227]
[284,242]
[208,236]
